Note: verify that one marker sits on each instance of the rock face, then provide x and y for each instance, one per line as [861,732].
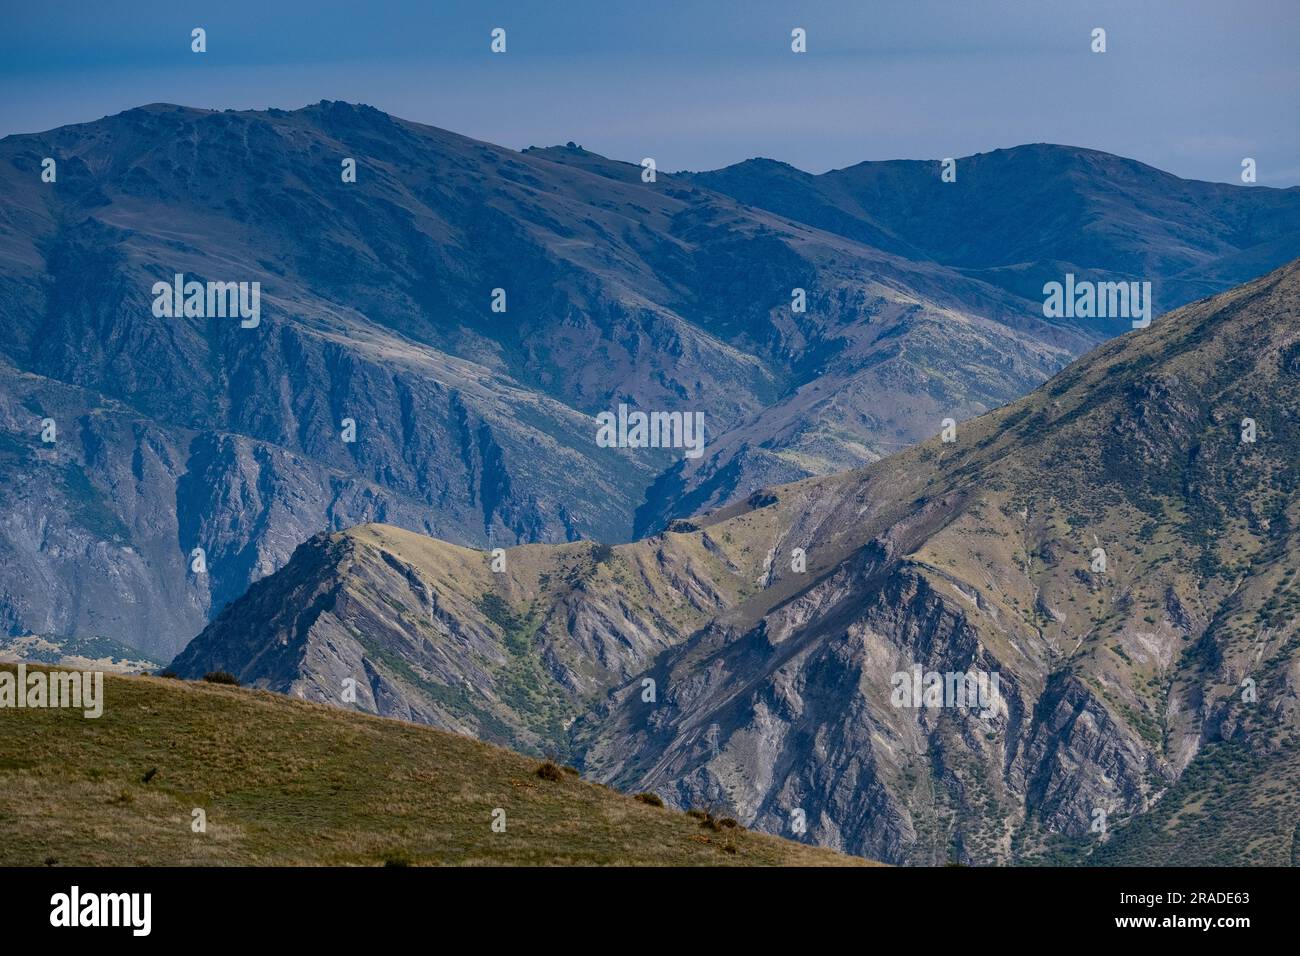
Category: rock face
[429,632]
[191,432]
[1102,576]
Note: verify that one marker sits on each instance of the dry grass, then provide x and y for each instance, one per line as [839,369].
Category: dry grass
[285,782]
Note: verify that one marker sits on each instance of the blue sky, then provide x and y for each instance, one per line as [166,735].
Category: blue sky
[1190,86]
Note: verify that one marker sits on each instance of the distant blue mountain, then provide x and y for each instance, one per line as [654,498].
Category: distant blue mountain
[190,432]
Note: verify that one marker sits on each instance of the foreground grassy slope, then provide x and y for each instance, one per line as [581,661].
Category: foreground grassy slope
[286,782]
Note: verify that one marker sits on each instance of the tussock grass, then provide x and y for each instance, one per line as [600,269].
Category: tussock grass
[287,782]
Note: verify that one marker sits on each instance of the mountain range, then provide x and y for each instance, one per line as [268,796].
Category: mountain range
[956,579]
[1113,556]
[923,303]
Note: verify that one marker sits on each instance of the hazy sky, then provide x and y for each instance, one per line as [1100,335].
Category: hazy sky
[1190,86]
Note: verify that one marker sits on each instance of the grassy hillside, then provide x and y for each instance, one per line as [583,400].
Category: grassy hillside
[1234,806]
[285,782]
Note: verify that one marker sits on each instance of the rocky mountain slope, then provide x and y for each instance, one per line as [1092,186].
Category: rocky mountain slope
[475,425]
[1016,219]
[285,783]
[1111,548]
[91,653]
[429,632]
[1039,207]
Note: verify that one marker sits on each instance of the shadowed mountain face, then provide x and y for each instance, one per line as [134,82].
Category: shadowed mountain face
[1014,217]
[1067,635]
[476,425]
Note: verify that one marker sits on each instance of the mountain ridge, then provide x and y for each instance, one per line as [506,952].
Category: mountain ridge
[184,433]
[1120,673]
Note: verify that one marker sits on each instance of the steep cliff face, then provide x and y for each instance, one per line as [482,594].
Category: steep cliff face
[101,525]
[471,424]
[1101,575]
[1110,547]
[389,622]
